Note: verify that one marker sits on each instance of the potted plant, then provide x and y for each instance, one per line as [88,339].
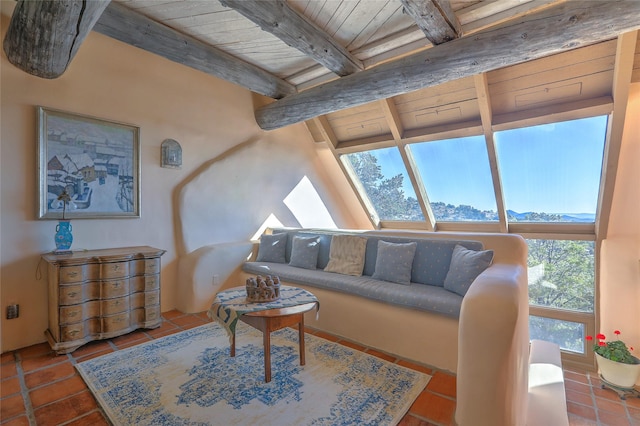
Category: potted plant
[616,363]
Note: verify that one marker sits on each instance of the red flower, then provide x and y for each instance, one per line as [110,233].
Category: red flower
[615,350]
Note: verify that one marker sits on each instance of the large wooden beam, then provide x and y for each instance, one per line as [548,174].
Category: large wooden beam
[435,18]
[278,18]
[486,116]
[44,36]
[567,26]
[133,28]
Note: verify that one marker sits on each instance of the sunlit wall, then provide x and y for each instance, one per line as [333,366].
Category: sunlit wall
[256,174]
[620,259]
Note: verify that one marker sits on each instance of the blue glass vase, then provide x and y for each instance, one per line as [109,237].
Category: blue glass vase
[63,237]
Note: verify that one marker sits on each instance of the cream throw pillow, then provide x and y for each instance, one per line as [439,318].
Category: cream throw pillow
[346,255]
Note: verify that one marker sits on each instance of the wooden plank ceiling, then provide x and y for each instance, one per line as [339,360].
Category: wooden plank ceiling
[363,35]
[371,30]
[576,80]
[340,59]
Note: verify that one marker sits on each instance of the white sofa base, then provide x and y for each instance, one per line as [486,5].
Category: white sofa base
[424,337]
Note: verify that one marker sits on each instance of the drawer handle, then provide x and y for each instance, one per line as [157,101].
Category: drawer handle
[72,274]
[73,314]
[118,320]
[72,294]
[116,284]
[116,267]
[72,333]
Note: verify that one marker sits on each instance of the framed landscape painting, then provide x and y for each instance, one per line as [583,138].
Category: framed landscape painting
[96,162]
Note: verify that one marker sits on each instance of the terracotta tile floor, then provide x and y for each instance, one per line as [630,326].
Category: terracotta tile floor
[40,388]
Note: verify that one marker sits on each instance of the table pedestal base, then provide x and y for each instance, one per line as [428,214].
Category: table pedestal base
[272,320]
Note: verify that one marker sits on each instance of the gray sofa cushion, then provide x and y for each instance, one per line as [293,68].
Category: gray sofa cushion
[429,270]
[272,248]
[304,252]
[324,237]
[466,265]
[431,261]
[394,261]
[415,296]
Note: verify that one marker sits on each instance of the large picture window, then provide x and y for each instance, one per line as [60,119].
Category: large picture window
[551,172]
[541,181]
[457,178]
[562,274]
[561,291]
[385,181]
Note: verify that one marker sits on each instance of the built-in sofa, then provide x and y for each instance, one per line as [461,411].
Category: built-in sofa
[480,333]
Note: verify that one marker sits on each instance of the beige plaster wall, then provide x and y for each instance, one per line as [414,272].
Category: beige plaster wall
[209,117]
[620,254]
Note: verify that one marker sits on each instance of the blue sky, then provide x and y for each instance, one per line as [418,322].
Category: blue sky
[553,168]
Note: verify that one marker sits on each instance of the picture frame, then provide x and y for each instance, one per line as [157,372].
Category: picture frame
[97,163]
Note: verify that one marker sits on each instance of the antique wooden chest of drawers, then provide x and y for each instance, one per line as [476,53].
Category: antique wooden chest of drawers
[99,294]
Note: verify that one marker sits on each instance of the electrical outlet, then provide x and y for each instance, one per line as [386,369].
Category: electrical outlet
[216,280]
[13,311]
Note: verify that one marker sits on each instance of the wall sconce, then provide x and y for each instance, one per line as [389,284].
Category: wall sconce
[171,154]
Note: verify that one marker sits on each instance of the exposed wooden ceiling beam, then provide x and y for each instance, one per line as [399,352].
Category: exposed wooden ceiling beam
[278,18]
[133,28]
[564,27]
[390,112]
[435,18]
[44,36]
[486,116]
[410,40]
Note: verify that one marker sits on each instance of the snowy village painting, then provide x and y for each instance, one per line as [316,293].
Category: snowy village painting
[95,161]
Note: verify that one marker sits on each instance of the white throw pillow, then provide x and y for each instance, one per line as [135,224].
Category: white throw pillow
[346,255]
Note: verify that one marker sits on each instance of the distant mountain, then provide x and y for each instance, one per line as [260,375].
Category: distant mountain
[578,217]
[518,216]
[451,213]
[551,217]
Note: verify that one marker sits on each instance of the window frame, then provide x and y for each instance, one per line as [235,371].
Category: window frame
[587,319]
[585,360]
[418,177]
[534,230]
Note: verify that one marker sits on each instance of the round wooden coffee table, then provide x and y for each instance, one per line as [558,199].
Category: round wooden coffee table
[271,320]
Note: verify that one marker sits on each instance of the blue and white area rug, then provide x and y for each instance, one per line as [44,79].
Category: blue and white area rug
[189,379]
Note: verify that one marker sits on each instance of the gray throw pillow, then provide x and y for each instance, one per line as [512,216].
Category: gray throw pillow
[465,266]
[394,261]
[304,252]
[272,248]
